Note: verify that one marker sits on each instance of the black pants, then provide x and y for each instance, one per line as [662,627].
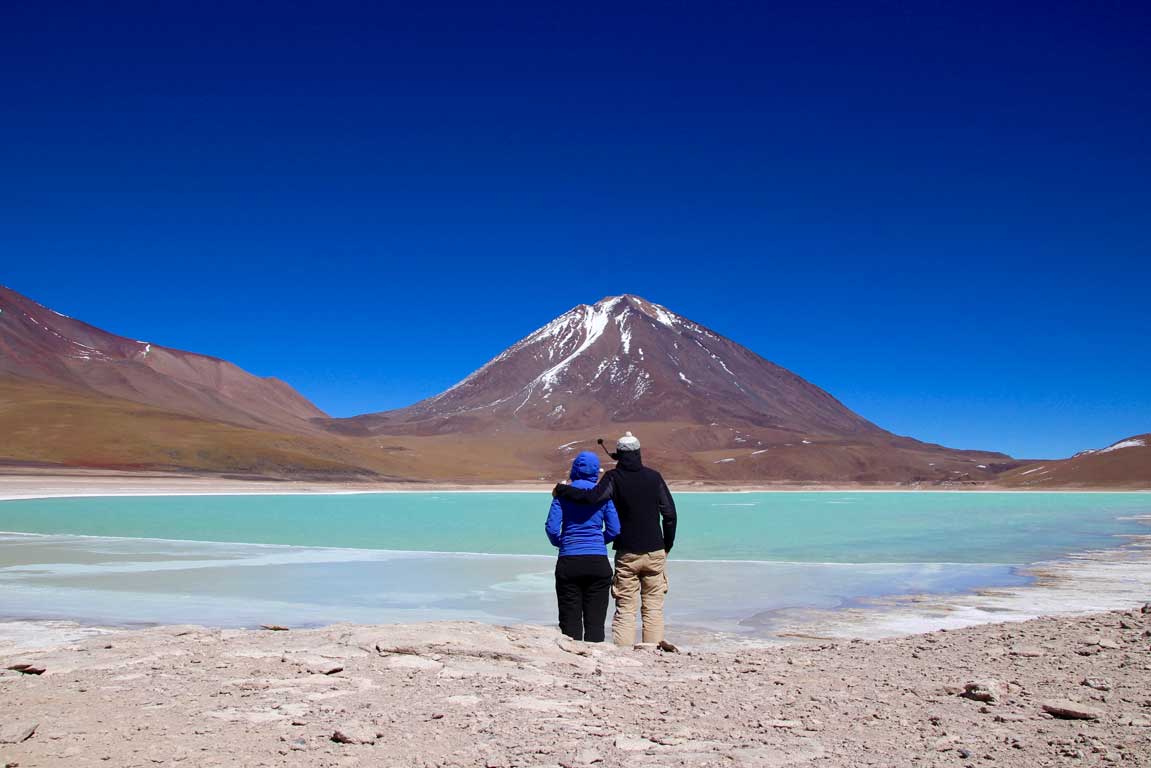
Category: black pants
[583,583]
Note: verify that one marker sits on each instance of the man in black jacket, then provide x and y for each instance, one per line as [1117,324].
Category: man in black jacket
[643,502]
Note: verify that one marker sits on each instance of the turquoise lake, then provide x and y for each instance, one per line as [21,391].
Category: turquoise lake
[741,560]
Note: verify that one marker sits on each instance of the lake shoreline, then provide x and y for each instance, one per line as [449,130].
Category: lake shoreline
[1102,577]
[41,485]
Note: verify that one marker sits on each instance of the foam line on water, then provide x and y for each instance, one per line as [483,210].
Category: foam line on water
[385,554]
[368,553]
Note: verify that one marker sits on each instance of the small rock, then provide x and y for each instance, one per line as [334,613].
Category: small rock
[355,733]
[1146,609]
[945,744]
[667,647]
[1070,710]
[325,669]
[27,669]
[17,731]
[1098,683]
[274,627]
[633,743]
[585,757]
[781,724]
[989,691]
[413,662]
[1010,717]
[1028,651]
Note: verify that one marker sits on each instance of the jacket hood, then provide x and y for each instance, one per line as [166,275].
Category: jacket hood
[585,466]
[629,461]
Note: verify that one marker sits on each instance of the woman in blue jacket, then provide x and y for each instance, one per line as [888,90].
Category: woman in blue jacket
[583,571]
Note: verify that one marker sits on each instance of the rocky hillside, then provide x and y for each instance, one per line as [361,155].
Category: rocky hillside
[1123,464]
[40,345]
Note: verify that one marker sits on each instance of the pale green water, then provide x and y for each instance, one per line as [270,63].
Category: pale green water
[299,560]
[805,527]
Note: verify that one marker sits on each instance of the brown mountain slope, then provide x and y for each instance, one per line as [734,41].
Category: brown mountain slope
[40,345]
[1123,464]
[47,425]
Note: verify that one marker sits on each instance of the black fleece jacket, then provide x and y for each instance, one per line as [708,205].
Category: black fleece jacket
[642,500]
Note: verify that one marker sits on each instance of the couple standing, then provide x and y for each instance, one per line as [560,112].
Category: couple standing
[630,507]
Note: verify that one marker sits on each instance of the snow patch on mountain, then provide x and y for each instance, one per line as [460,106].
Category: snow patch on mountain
[624,332]
[595,320]
[1133,443]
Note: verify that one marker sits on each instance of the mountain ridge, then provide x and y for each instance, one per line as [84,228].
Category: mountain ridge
[708,410]
[40,344]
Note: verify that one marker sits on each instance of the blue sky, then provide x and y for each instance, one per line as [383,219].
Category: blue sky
[939,212]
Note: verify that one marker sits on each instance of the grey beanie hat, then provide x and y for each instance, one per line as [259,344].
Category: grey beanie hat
[628,442]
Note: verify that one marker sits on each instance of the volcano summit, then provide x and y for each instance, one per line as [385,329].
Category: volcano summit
[625,360]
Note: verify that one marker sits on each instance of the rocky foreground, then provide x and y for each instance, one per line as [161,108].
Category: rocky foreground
[1040,693]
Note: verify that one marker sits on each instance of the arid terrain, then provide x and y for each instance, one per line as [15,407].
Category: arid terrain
[709,411]
[1069,691]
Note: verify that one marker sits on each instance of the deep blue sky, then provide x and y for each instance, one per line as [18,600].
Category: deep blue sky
[939,212]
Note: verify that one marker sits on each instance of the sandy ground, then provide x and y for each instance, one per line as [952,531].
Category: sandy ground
[476,695]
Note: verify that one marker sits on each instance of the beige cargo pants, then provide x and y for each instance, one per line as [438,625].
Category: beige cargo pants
[640,582]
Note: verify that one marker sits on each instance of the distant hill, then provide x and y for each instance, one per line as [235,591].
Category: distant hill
[38,344]
[1125,463]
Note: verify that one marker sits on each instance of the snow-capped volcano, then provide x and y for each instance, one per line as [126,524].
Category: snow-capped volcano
[626,359]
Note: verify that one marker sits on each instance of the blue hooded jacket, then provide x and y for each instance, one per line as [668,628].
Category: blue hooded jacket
[582,529]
